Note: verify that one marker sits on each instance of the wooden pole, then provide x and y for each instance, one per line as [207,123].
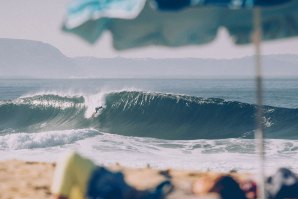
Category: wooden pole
[259,133]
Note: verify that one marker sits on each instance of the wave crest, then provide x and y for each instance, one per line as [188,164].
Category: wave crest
[136,113]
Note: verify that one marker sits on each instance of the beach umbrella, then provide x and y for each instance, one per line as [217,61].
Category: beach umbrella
[174,23]
[134,23]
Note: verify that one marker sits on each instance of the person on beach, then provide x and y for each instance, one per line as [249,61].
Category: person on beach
[77,177]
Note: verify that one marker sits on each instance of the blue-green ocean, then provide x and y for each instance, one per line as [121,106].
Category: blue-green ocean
[182,123]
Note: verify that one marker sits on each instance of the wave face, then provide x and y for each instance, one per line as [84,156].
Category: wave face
[145,114]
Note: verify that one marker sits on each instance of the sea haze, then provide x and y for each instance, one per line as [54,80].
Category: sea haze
[33,59]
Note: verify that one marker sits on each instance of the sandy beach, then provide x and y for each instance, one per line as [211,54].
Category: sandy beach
[21,179]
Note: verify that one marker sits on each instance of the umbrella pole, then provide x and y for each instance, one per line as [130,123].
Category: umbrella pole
[259,133]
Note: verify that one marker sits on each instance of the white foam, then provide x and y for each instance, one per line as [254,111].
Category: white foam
[104,148]
[219,155]
[16,141]
[46,103]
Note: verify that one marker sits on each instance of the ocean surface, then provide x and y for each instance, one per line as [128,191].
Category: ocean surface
[181,123]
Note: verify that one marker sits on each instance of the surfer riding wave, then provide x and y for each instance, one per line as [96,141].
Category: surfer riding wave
[96,110]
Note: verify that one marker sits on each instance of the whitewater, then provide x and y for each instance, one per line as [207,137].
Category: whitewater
[186,124]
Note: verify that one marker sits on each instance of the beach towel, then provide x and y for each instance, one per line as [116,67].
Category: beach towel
[105,184]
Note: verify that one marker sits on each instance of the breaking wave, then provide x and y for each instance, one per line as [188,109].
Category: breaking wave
[143,114]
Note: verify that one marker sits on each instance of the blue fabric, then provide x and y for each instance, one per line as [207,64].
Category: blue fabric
[81,11]
[89,18]
[104,184]
[179,4]
[193,26]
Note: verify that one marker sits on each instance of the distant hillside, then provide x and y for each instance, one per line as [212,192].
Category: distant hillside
[24,58]
[33,59]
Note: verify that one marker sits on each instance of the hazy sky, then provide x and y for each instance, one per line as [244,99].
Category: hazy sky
[41,20]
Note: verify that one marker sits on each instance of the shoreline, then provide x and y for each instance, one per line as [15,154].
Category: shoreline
[26,179]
